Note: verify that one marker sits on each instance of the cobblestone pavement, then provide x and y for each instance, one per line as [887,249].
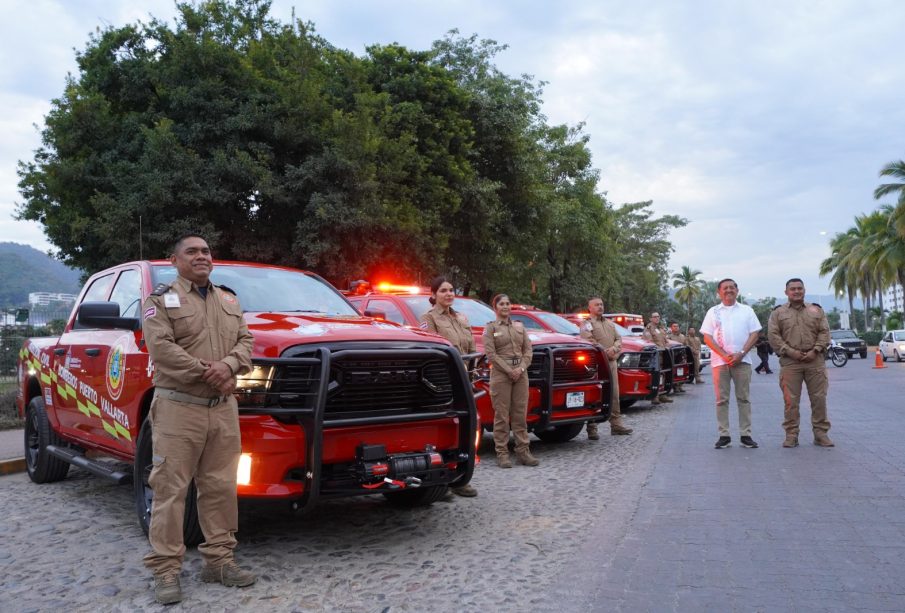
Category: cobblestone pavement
[75,545]
[656,521]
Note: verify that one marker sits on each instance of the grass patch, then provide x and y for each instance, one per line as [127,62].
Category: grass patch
[9,417]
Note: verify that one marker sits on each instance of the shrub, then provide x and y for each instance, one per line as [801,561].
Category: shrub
[872,337]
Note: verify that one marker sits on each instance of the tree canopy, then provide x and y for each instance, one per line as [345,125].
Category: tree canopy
[281,148]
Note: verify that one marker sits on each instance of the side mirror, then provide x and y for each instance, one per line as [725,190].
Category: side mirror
[105,315]
[376,314]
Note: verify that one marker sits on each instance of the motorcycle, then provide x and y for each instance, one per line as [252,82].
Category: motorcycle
[837,354]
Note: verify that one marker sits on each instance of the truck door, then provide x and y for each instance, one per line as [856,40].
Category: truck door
[69,403]
[110,369]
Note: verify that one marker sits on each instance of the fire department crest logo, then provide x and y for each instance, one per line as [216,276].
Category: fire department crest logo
[116,371]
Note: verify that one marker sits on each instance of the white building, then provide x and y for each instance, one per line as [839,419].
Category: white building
[893,299]
[45,298]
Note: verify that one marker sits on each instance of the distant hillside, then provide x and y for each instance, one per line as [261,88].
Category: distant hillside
[24,269]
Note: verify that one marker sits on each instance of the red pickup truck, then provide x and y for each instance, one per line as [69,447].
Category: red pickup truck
[336,404]
[569,378]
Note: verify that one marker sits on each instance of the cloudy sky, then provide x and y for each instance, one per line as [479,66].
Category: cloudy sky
[762,122]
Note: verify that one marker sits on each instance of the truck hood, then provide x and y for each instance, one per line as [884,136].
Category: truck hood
[537,338]
[636,343]
[276,332]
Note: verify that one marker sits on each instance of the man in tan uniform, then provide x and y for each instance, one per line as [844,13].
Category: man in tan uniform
[601,331]
[655,334]
[199,342]
[799,334]
[674,335]
[694,342]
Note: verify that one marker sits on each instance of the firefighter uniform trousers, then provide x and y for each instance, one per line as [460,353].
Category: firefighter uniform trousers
[812,374]
[510,407]
[615,409]
[204,443]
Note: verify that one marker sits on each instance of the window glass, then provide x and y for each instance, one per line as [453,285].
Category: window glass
[559,324]
[266,290]
[127,293]
[389,309]
[527,321]
[899,336]
[99,288]
[477,312]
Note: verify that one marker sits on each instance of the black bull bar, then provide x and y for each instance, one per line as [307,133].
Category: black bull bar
[309,409]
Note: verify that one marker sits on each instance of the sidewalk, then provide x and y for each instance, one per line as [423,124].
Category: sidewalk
[11,451]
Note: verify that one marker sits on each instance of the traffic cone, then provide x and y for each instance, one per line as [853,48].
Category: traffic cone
[878,360]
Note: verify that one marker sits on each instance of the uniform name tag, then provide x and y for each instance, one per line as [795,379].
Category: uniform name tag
[171,300]
[497,333]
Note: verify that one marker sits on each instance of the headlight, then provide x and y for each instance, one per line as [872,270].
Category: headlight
[252,387]
[630,360]
[243,473]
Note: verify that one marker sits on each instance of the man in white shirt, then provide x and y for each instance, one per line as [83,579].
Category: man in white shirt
[731,329]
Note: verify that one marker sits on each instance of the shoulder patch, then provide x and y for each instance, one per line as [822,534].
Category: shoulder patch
[817,305]
[227,289]
[777,306]
[423,325]
[161,289]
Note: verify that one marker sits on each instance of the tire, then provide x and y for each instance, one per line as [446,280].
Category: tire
[883,355]
[863,354]
[895,354]
[839,357]
[417,497]
[560,434]
[626,403]
[41,466]
[144,495]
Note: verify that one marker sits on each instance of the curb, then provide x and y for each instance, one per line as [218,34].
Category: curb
[10,467]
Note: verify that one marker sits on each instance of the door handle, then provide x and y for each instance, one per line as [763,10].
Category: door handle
[93,352]
[59,351]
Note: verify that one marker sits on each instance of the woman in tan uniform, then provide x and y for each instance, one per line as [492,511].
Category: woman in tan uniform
[445,321]
[508,350]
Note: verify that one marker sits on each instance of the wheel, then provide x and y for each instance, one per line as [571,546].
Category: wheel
[144,495]
[625,403]
[560,434]
[895,354]
[883,355]
[41,466]
[863,354]
[839,358]
[416,497]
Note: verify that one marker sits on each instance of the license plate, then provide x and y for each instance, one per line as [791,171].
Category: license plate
[680,371]
[574,400]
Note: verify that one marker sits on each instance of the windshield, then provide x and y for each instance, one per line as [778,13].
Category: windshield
[840,334]
[623,331]
[899,335]
[272,289]
[477,312]
[559,324]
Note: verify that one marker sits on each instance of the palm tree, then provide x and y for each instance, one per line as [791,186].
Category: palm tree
[896,170]
[689,286]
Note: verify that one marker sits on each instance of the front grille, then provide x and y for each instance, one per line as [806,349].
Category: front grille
[574,365]
[678,355]
[538,367]
[388,386]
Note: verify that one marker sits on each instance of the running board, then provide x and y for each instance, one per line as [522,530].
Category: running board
[99,469]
